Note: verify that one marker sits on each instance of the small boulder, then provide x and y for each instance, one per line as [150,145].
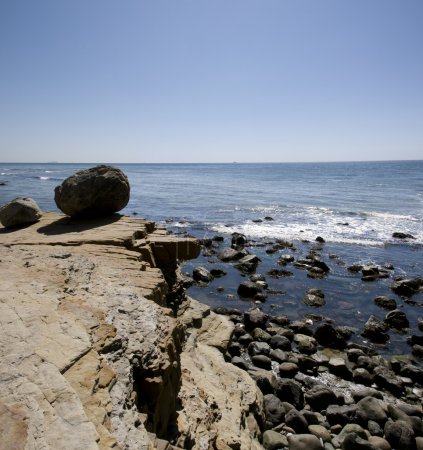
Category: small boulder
[19,212]
[304,442]
[314,298]
[397,319]
[202,274]
[385,302]
[400,235]
[375,330]
[254,318]
[400,435]
[407,288]
[97,191]
[272,440]
[249,289]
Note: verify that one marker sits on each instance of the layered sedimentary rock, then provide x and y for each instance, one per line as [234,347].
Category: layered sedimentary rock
[100,349]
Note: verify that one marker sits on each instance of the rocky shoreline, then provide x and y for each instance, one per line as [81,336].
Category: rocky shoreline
[102,349]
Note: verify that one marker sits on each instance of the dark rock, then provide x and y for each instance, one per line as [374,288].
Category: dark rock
[279,273]
[257,220]
[374,428]
[280,320]
[320,239]
[374,409]
[386,379]
[202,274]
[249,289]
[362,376]
[97,191]
[228,312]
[370,270]
[274,410]
[258,348]
[262,361]
[272,440]
[286,258]
[263,381]
[343,415]
[218,238]
[281,342]
[234,349]
[367,363]
[218,273]
[240,362]
[268,218]
[288,370]
[301,327]
[238,240]
[338,367]
[327,336]
[296,421]
[400,435]
[397,319]
[278,355]
[415,340]
[245,339]
[407,288]
[257,277]
[255,318]
[314,297]
[248,264]
[230,254]
[399,235]
[304,442]
[305,344]
[20,212]
[290,391]
[354,442]
[320,397]
[375,330]
[385,302]
[417,351]
[355,268]
[260,335]
[321,265]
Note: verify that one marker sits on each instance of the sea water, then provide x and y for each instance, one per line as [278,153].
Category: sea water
[354,206]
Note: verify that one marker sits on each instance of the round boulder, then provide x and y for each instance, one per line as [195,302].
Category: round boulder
[20,211]
[98,191]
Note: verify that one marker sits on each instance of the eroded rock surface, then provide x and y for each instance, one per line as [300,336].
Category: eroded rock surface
[91,351]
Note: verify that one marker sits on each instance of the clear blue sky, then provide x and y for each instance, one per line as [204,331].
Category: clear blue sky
[210,80]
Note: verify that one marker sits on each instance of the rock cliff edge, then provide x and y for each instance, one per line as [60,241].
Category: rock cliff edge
[101,349]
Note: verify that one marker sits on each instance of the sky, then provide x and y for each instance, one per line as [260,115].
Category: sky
[210,80]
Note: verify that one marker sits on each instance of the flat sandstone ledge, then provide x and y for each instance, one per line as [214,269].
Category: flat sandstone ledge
[91,356]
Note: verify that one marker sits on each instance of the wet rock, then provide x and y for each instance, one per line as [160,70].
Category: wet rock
[369,270]
[240,362]
[338,367]
[374,428]
[385,302]
[234,349]
[19,212]
[305,344]
[260,335]
[320,239]
[420,324]
[295,420]
[230,254]
[286,259]
[413,372]
[248,264]
[255,318]
[263,379]
[355,268]
[417,351]
[397,319]
[320,397]
[258,348]
[273,440]
[362,376]
[374,409]
[345,414]
[262,361]
[314,297]
[278,355]
[290,391]
[248,289]
[281,342]
[386,379]
[400,435]
[202,274]
[281,320]
[238,240]
[317,263]
[288,370]
[304,442]
[218,238]
[268,218]
[273,409]
[379,443]
[350,428]
[217,273]
[375,330]
[301,327]
[245,339]
[97,191]
[327,336]
[407,288]
[354,442]
[400,235]
[320,432]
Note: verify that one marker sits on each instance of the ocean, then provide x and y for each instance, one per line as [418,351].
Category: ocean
[354,206]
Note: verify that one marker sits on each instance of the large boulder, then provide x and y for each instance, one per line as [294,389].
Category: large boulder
[20,211]
[97,191]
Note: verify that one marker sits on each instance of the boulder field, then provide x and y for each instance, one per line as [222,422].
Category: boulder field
[101,349]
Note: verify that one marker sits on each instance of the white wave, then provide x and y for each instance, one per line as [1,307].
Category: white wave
[44,178]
